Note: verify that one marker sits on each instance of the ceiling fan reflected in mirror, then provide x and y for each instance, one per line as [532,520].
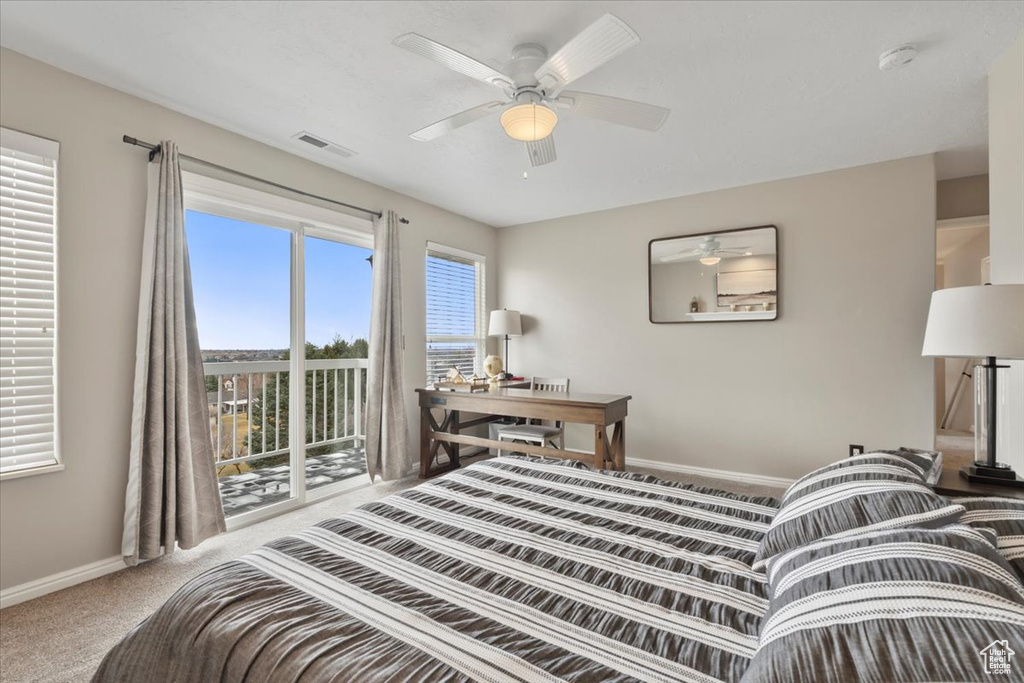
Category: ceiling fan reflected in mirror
[709,252]
[534,85]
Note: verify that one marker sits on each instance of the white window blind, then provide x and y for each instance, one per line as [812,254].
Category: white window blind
[456,302]
[28,302]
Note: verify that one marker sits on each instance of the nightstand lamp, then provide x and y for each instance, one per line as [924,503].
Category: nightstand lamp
[985,321]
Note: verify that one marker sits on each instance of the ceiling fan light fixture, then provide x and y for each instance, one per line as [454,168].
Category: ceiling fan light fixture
[711,260]
[528,122]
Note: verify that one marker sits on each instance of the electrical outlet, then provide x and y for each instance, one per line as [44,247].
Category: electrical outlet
[856,449]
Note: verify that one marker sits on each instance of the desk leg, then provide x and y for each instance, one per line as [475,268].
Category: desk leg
[430,447]
[425,453]
[618,445]
[453,428]
[600,447]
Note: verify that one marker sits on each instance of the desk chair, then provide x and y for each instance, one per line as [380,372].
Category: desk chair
[539,434]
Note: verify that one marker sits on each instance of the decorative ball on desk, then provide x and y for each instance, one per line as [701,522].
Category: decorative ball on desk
[494,368]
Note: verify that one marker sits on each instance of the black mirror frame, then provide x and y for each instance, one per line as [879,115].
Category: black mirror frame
[650,276]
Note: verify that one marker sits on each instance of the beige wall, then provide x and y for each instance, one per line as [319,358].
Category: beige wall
[962,197]
[1006,227]
[842,364]
[962,266]
[55,522]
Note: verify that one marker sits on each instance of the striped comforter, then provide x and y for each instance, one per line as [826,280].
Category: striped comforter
[512,569]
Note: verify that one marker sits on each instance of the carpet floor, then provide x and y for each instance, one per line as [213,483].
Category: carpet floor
[61,637]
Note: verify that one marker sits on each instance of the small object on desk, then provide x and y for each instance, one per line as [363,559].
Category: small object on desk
[493,366]
[454,376]
[494,369]
[472,384]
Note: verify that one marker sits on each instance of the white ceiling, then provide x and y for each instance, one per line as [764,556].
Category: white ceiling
[758,91]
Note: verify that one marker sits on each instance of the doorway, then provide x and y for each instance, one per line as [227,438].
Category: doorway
[961,260]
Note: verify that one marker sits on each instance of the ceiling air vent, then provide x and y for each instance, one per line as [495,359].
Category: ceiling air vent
[320,143]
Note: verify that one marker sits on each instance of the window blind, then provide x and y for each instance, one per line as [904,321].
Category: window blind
[456,302]
[28,301]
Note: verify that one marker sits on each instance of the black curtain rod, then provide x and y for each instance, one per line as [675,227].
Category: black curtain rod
[155,149]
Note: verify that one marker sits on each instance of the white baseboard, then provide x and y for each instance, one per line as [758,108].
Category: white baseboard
[777,482]
[55,582]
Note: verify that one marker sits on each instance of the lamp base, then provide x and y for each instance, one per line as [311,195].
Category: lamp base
[983,473]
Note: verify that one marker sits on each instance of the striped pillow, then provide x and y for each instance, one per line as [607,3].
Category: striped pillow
[865,493]
[895,605]
[1005,516]
[930,462]
[866,467]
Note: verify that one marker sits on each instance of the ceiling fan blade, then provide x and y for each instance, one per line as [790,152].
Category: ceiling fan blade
[453,59]
[606,38]
[681,255]
[542,151]
[436,130]
[614,109]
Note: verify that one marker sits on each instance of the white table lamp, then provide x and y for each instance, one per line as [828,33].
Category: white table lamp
[986,321]
[505,323]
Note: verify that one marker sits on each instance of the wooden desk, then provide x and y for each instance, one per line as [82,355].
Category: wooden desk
[950,482]
[600,410]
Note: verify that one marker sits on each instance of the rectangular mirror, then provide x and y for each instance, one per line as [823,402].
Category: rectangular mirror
[722,276]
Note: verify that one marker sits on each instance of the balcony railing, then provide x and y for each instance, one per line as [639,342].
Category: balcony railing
[249,409]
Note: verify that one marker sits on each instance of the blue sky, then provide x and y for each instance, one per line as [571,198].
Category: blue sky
[241,282]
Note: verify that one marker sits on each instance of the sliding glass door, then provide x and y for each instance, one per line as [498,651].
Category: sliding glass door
[241,280]
[337,301]
[282,307]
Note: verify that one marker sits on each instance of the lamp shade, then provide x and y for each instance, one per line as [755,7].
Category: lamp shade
[505,322]
[974,322]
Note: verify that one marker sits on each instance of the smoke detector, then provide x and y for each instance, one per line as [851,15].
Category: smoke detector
[897,57]
[325,145]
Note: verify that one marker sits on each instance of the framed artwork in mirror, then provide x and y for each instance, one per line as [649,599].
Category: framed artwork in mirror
[716,276]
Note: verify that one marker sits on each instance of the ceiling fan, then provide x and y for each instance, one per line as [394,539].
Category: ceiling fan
[534,85]
[709,252]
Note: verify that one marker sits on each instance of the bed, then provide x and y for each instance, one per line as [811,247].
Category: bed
[524,569]
[512,569]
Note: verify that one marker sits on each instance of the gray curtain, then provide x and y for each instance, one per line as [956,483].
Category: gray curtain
[387,436]
[172,495]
